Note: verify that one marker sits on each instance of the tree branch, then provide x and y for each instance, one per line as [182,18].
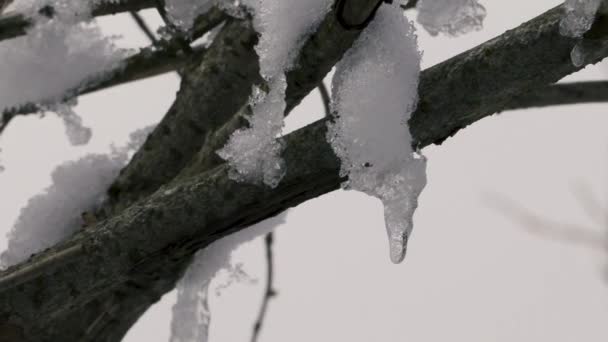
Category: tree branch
[143,26]
[562,94]
[135,249]
[325,98]
[270,292]
[16,24]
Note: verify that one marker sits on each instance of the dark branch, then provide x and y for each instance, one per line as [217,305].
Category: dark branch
[562,94]
[143,26]
[325,98]
[270,292]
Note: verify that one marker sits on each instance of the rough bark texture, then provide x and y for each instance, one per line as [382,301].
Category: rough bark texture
[103,278]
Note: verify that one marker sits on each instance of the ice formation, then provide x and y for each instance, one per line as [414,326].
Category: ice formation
[451,17]
[191,316]
[184,12]
[284,26]
[375,91]
[55,56]
[578,17]
[76,132]
[253,152]
[77,187]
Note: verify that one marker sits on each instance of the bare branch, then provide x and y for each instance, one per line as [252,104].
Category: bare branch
[149,62]
[325,98]
[270,292]
[143,26]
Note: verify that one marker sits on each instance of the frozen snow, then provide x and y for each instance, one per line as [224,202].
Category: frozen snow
[55,56]
[77,188]
[76,132]
[283,26]
[253,153]
[578,17]
[191,314]
[184,12]
[375,91]
[451,17]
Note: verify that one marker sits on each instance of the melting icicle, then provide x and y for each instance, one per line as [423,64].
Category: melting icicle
[253,153]
[191,315]
[452,17]
[375,91]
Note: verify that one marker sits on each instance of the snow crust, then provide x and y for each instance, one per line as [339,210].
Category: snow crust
[253,153]
[191,314]
[76,132]
[451,17]
[284,25]
[184,12]
[77,187]
[578,17]
[56,56]
[375,92]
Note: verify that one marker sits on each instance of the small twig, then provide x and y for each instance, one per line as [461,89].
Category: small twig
[270,291]
[553,230]
[143,26]
[174,30]
[325,98]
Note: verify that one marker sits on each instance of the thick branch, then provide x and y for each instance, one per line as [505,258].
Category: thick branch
[562,94]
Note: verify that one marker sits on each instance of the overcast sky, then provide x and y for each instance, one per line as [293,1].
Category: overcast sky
[473,271]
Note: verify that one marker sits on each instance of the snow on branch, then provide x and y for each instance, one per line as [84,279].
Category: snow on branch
[55,56]
[77,188]
[375,92]
[191,314]
[253,152]
[451,17]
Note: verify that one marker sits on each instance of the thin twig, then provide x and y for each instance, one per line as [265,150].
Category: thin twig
[176,33]
[325,98]
[270,291]
[13,24]
[143,26]
[549,229]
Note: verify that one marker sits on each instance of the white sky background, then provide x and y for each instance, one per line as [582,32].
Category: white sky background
[471,273]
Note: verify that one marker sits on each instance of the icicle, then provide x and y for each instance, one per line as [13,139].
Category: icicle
[375,91]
